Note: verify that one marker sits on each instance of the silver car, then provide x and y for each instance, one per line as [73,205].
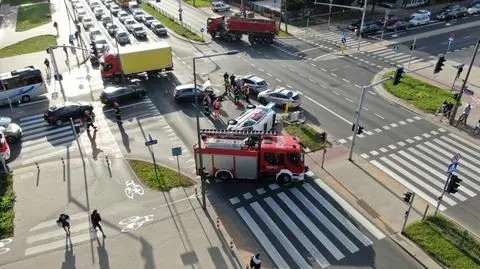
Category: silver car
[280,96]
[87,23]
[255,84]
[11,130]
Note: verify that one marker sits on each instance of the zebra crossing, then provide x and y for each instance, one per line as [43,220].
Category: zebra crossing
[420,164]
[392,56]
[303,227]
[335,38]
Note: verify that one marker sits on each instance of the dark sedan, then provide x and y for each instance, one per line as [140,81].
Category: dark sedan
[121,94]
[186,93]
[61,113]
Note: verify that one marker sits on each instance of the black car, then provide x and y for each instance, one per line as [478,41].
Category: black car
[354,26]
[451,12]
[121,94]
[186,93]
[61,113]
[158,28]
[399,26]
[368,29]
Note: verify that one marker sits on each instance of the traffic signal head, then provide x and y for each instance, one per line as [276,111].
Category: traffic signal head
[398,75]
[58,77]
[440,64]
[412,47]
[453,184]
[360,129]
[407,197]
[460,70]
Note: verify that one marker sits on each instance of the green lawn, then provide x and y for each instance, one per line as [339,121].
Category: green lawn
[7,196]
[308,135]
[20,2]
[433,243]
[199,3]
[167,178]
[34,44]
[419,93]
[171,24]
[33,16]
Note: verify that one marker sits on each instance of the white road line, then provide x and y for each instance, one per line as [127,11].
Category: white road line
[379,116]
[342,141]
[64,129]
[470,159]
[278,80]
[270,75]
[28,118]
[58,244]
[305,50]
[336,93]
[409,120]
[312,64]
[392,146]
[346,80]
[386,127]
[58,143]
[372,93]
[312,227]
[348,100]
[458,145]
[364,155]
[426,135]
[289,86]
[49,155]
[378,130]
[417,118]
[234,200]
[52,222]
[334,212]
[76,229]
[284,241]
[417,180]
[409,140]
[323,69]
[402,122]
[368,132]
[358,86]
[393,125]
[333,74]
[297,233]
[261,70]
[262,238]
[418,138]
[465,141]
[374,153]
[382,149]
[328,109]
[401,144]
[351,211]
[405,183]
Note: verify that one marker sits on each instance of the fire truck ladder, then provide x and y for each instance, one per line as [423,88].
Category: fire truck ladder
[237,134]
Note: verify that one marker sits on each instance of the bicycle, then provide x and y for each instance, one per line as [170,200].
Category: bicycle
[133,188]
[462,119]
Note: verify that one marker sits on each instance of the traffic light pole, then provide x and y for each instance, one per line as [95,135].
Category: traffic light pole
[443,192]
[411,51]
[459,98]
[407,213]
[57,74]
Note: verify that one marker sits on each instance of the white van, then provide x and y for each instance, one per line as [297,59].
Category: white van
[255,118]
[220,6]
[417,19]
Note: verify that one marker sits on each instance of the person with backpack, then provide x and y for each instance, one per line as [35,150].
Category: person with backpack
[95,218]
[64,221]
[90,118]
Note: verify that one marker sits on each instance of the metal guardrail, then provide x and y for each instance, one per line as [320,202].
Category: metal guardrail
[173,18]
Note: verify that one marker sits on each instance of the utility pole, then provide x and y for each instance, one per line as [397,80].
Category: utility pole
[459,98]
[361,24]
[329,13]
[57,74]
[285,13]
[412,49]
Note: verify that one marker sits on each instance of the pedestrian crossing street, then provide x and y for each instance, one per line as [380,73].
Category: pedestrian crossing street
[42,142]
[391,56]
[304,226]
[420,164]
[47,236]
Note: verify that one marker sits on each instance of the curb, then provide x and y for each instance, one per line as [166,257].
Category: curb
[186,39]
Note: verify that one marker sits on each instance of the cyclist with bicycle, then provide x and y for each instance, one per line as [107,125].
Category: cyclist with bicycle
[466,112]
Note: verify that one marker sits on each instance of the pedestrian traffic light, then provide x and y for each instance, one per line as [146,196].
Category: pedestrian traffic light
[94,49]
[407,197]
[398,75]
[440,64]
[58,77]
[453,184]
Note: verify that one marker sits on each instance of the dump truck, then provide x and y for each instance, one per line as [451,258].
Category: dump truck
[122,3]
[233,28]
[150,58]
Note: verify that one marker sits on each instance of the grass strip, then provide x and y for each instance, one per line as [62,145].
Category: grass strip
[165,178]
[33,44]
[310,137]
[171,24]
[33,16]
[419,93]
[7,201]
[441,249]
[283,34]
[199,3]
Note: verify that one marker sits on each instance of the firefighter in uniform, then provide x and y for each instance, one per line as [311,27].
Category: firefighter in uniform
[118,114]
[225,77]
[206,105]
[216,108]
[246,91]
[236,94]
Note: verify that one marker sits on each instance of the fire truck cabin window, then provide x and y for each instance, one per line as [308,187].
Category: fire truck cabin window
[270,158]
[294,158]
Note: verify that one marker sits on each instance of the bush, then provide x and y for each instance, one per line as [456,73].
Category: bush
[7,201]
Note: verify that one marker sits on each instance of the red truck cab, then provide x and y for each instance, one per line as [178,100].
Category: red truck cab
[109,66]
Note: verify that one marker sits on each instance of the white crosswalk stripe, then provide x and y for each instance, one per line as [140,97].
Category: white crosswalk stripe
[336,38]
[390,55]
[301,227]
[422,167]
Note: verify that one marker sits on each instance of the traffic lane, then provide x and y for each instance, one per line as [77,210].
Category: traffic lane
[299,48]
[467,213]
[463,55]
[192,17]
[434,25]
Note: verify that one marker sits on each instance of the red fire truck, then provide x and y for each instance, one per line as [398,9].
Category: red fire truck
[229,154]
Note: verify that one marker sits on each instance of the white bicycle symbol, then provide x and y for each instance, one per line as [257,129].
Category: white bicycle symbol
[135,222]
[4,242]
[133,188]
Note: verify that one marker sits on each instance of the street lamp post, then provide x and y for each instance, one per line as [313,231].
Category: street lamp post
[197,116]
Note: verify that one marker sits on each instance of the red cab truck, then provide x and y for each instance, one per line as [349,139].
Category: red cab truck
[233,28]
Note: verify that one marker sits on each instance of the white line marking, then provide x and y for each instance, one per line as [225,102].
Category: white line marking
[392,146]
[378,130]
[358,86]
[58,244]
[297,233]
[289,86]
[417,118]
[409,140]
[426,135]
[312,227]
[270,75]
[261,70]
[323,69]
[262,238]
[418,138]
[402,122]
[386,127]
[379,116]
[342,141]
[352,211]
[434,132]
[374,153]
[409,120]
[401,144]
[393,125]
[346,80]
[371,92]
[348,100]
[278,80]
[382,149]
[336,93]
[328,109]
[333,74]
[364,155]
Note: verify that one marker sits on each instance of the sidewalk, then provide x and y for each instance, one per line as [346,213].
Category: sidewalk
[375,195]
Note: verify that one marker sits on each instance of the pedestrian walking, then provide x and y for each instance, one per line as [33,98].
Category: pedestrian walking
[47,65]
[236,94]
[65,50]
[118,114]
[55,25]
[216,108]
[70,40]
[90,118]
[247,93]
[64,221]
[255,261]
[95,218]
[232,79]
[225,77]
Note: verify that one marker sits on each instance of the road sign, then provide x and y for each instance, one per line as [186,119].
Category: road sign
[344,40]
[456,157]
[467,91]
[202,30]
[452,168]
[150,141]
[176,151]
